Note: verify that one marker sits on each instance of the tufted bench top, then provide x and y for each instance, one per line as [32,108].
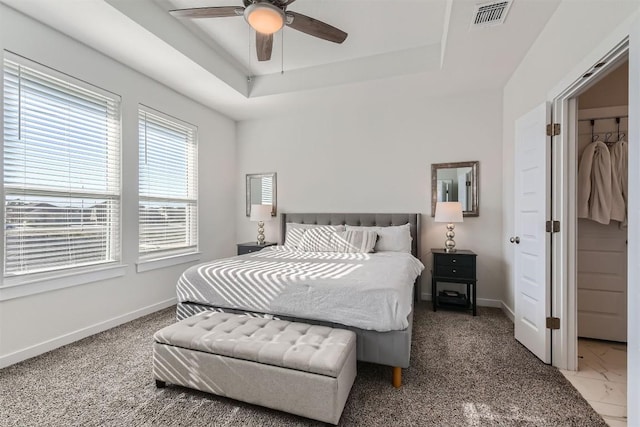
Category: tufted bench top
[292,345]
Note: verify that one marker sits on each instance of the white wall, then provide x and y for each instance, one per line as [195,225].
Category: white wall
[572,33]
[36,323]
[370,149]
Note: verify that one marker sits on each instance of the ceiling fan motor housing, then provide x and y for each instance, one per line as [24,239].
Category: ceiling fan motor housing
[264,17]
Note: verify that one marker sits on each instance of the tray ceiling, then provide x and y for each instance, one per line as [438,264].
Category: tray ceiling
[424,45]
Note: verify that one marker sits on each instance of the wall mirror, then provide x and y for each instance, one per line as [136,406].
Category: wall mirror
[455,182]
[261,190]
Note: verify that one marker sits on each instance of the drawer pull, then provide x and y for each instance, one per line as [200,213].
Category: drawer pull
[454,260]
[454,271]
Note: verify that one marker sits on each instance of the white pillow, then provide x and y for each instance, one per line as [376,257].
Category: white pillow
[295,231]
[395,238]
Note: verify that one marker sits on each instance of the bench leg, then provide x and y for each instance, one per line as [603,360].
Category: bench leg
[160,384]
[397,377]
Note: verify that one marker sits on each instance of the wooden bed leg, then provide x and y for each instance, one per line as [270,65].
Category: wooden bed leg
[397,377]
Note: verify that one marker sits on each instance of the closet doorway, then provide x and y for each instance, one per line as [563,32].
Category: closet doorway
[590,255]
[577,295]
[601,197]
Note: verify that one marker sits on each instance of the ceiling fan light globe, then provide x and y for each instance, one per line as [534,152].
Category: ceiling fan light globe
[265,18]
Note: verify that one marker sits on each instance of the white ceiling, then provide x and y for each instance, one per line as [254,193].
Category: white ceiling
[428,44]
[365,21]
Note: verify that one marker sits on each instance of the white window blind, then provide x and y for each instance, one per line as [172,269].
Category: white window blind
[61,170]
[168,190]
[267,191]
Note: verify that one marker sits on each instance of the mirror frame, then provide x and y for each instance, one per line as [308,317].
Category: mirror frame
[271,175]
[475,166]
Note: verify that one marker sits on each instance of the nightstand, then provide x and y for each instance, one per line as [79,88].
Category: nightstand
[247,248]
[454,267]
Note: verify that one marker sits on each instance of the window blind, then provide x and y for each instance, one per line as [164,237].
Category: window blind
[267,191]
[61,170]
[168,191]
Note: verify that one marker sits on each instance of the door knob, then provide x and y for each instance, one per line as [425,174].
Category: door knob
[515,240]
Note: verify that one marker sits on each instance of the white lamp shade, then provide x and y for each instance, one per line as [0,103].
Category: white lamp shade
[448,212]
[261,213]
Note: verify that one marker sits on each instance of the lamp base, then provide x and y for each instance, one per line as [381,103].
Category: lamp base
[449,244]
[260,233]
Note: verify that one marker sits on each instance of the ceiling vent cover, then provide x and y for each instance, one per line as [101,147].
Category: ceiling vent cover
[490,14]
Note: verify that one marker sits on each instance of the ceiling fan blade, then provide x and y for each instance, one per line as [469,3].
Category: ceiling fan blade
[208,12]
[315,28]
[264,46]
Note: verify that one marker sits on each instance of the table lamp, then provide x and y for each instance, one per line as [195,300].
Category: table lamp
[449,212]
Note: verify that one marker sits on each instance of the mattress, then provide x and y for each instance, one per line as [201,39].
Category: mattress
[367,291]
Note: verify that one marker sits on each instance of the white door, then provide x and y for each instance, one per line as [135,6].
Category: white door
[531,241]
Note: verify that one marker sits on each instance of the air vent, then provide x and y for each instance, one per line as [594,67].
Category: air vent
[490,14]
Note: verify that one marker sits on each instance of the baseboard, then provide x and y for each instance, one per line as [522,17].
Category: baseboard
[482,302]
[425,297]
[52,344]
[508,312]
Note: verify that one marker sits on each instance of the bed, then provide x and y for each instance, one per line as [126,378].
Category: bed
[384,332]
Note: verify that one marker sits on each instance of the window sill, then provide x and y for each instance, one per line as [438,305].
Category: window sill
[17,287]
[154,264]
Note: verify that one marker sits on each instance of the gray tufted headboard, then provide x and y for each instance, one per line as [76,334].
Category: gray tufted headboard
[365,219]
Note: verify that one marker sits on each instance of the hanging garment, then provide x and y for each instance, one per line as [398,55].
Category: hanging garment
[619,176]
[594,183]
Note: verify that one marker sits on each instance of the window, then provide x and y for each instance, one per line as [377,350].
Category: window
[61,171]
[168,209]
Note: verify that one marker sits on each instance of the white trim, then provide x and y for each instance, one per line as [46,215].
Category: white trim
[52,344]
[154,264]
[35,285]
[486,302]
[564,292]
[425,297]
[481,302]
[633,251]
[508,312]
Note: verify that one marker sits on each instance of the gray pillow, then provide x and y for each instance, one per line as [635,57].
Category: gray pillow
[354,241]
[317,240]
[295,231]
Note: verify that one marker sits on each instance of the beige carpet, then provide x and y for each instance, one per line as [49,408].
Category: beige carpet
[465,371]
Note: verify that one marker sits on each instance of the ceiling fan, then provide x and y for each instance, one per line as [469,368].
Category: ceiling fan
[267,17]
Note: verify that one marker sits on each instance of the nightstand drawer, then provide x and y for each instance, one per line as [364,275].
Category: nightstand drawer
[247,248]
[455,271]
[455,260]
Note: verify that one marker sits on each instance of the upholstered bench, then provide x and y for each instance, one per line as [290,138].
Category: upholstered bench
[303,369]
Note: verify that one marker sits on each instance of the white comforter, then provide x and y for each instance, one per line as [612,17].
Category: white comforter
[368,291]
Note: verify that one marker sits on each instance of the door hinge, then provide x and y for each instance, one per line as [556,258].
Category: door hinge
[553,129]
[553,226]
[553,323]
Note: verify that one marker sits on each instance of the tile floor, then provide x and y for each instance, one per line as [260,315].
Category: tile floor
[601,378]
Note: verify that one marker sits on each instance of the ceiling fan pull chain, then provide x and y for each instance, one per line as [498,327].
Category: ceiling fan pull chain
[282,51]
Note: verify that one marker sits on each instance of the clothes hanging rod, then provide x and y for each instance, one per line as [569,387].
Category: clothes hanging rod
[605,118]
